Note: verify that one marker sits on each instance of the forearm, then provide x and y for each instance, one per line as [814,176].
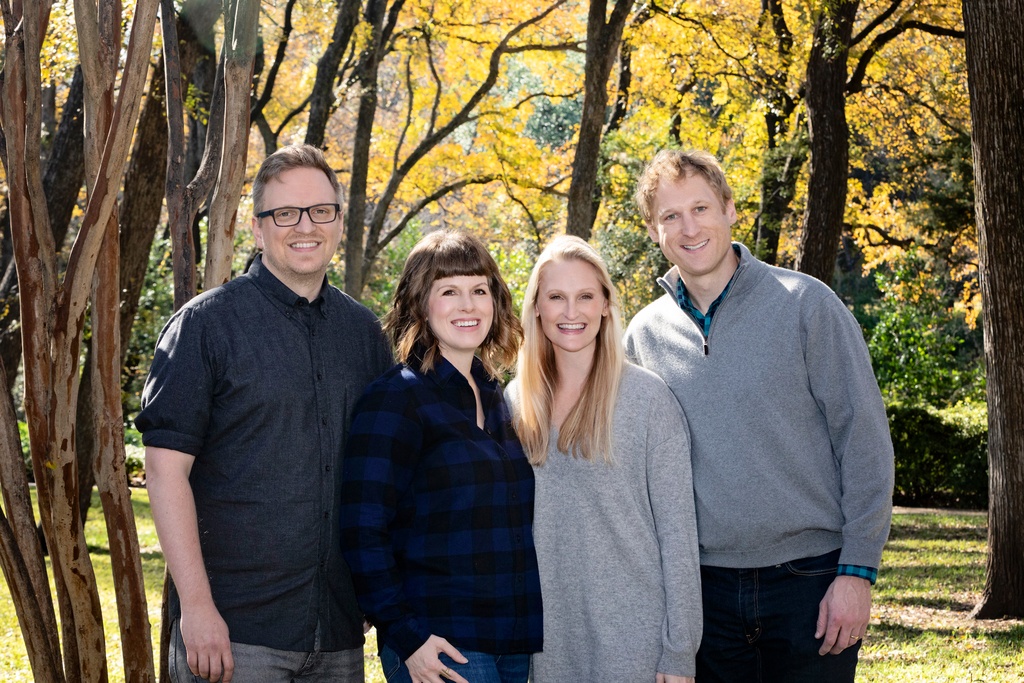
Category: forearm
[174,514]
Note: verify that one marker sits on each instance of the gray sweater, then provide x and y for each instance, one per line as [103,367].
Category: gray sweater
[789,438]
[617,548]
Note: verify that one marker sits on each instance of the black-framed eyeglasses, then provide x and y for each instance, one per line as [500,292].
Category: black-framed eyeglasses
[287,216]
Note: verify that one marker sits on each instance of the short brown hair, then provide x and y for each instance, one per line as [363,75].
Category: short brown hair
[285,159]
[676,164]
[441,254]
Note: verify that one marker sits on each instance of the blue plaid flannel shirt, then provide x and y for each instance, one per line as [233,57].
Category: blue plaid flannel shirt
[437,515]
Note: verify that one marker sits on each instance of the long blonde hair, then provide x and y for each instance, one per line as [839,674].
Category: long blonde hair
[587,429]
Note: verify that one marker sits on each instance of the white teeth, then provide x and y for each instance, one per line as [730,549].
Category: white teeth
[304,245]
[571,326]
[695,246]
[467,323]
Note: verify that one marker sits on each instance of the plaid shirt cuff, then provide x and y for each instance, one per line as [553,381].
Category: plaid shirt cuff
[869,573]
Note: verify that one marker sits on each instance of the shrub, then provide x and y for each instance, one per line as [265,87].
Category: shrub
[941,454]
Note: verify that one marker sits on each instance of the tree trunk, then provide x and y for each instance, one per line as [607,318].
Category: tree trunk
[602,49]
[995,68]
[829,140]
[53,314]
[21,556]
[786,152]
[356,215]
[62,182]
[111,477]
[239,51]
[780,170]
[142,202]
[321,101]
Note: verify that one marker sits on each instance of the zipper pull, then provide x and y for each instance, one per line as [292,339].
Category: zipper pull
[705,346]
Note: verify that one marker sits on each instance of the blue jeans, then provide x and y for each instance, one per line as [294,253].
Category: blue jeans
[258,664]
[482,667]
[759,625]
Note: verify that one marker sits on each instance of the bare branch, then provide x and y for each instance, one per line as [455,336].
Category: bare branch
[279,56]
[856,82]
[422,204]
[411,96]
[939,115]
[437,89]
[431,141]
[876,22]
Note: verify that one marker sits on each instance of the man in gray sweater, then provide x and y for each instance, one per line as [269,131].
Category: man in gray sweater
[792,460]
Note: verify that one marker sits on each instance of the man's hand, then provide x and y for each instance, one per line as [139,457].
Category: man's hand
[843,614]
[207,644]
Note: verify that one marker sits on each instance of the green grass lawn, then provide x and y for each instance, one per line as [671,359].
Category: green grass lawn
[933,572]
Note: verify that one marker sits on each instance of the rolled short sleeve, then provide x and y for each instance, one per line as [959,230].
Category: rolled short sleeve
[177,397]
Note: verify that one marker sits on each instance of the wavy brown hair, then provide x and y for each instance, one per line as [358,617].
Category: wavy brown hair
[587,430]
[441,254]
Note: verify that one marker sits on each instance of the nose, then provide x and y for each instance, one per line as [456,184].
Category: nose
[571,309]
[466,302]
[305,223]
[687,225]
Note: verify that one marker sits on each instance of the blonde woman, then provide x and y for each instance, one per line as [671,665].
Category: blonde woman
[614,518]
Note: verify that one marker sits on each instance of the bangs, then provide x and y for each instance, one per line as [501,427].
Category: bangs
[458,258]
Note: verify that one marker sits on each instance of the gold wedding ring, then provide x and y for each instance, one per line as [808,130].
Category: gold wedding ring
[447,673]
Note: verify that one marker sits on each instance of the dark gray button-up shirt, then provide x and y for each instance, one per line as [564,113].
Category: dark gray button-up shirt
[259,384]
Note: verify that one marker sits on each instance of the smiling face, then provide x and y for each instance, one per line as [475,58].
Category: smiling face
[298,255]
[571,305]
[692,225]
[460,311]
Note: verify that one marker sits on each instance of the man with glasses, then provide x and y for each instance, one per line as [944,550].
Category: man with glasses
[245,417]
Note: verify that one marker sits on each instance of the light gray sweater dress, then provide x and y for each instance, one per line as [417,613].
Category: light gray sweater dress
[617,548]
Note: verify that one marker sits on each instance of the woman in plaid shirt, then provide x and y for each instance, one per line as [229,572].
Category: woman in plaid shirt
[437,494]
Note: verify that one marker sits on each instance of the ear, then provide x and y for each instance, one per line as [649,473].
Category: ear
[257,232]
[730,211]
[652,232]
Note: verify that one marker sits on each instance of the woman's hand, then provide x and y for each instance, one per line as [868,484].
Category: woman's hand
[666,678]
[425,667]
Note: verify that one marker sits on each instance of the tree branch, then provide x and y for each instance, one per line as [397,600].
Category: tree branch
[279,56]
[431,141]
[856,82]
[876,22]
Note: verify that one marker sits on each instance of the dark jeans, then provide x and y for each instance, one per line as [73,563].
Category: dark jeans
[481,668]
[759,625]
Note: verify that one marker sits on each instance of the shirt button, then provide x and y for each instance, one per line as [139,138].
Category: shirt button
[325,514]
[319,375]
[327,468]
[323,421]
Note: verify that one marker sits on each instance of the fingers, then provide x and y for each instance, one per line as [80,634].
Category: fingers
[447,673]
[450,650]
[217,668]
[425,666]
[843,614]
